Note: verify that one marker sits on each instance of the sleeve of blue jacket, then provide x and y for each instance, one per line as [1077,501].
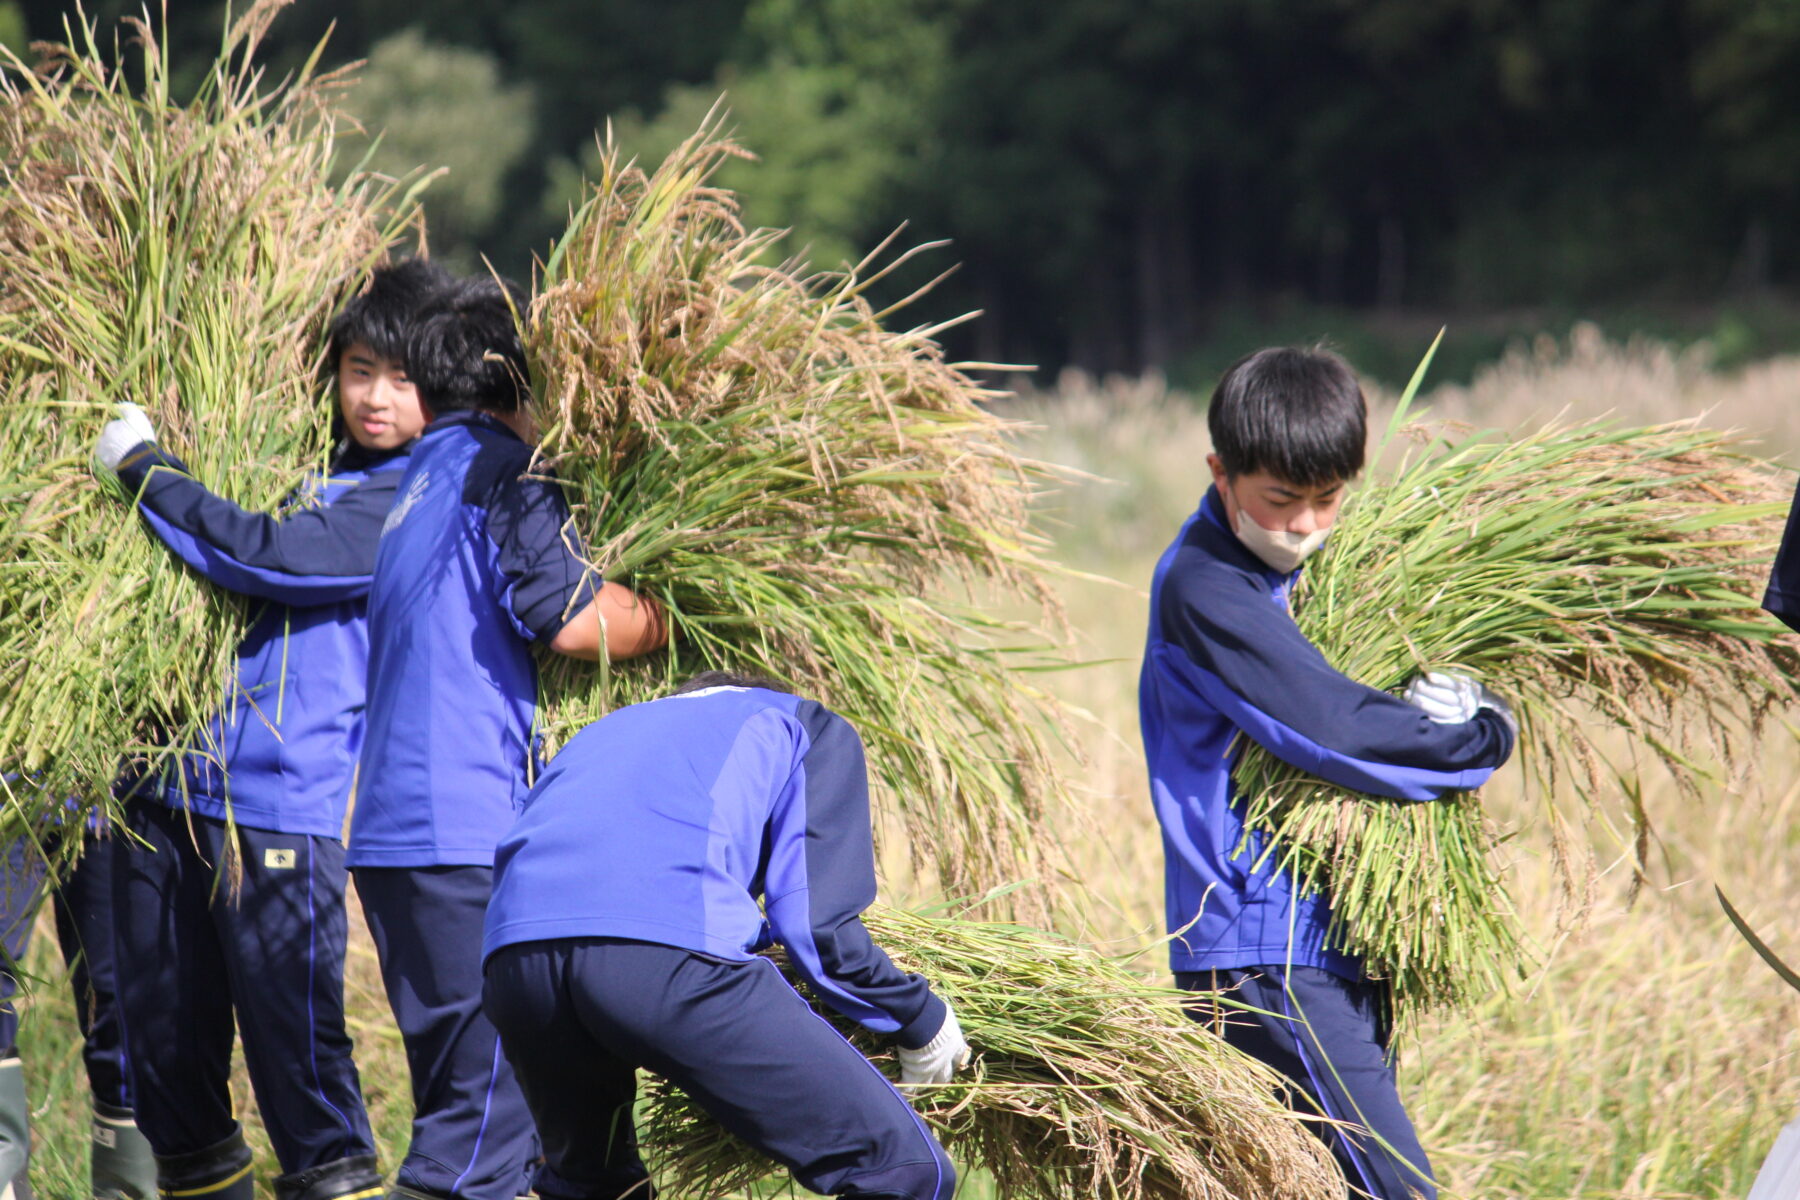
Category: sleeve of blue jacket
[820,878]
[1783,597]
[314,556]
[1249,660]
[545,578]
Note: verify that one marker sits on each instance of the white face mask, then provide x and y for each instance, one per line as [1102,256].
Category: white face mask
[1281,550]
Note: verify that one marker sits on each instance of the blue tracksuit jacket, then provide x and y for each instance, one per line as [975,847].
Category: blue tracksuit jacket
[280,753]
[1224,658]
[664,822]
[1783,597]
[476,561]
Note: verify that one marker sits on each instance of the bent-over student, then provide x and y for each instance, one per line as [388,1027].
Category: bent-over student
[623,929]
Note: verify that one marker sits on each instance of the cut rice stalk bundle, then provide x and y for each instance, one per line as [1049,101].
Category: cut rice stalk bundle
[1087,1082]
[184,256]
[1599,578]
[801,488]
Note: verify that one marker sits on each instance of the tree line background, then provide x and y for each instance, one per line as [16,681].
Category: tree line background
[1136,184]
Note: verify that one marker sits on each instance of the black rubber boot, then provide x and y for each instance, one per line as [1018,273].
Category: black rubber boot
[219,1172]
[353,1178]
[15,1130]
[124,1167]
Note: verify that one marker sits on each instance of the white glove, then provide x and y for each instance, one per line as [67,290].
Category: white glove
[130,429]
[937,1060]
[1447,699]
[1450,699]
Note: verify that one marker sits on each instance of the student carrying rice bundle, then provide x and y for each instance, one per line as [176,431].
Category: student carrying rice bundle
[476,562]
[1225,660]
[623,930]
[232,912]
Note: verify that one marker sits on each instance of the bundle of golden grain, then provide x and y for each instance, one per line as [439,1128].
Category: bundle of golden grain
[185,256]
[1086,1082]
[1599,576]
[810,494]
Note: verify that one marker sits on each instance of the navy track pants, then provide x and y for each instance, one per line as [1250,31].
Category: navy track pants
[82,905]
[578,1014]
[1329,1036]
[472,1135]
[206,940]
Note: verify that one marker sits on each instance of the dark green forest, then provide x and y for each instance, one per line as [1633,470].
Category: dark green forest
[1127,182]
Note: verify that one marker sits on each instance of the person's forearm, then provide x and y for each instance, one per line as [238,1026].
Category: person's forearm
[625,623]
[317,556]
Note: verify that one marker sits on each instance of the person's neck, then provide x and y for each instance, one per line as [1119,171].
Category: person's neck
[519,421]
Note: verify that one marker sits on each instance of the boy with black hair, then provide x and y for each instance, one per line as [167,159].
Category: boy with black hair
[623,929]
[477,562]
[233,909]
[1224,659]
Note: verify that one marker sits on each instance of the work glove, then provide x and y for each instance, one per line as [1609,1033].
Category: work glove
[1450,699]
[937,1060]
[124,433]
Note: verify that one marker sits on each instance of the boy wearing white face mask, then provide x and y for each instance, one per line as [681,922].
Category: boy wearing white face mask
[1224,659]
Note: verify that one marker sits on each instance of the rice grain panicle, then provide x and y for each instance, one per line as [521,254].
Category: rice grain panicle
[745,441]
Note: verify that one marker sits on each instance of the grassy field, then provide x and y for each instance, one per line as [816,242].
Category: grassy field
[1647,1054]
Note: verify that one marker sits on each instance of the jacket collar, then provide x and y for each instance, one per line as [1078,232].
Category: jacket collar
[473,418]
[1212,530]
[352,456]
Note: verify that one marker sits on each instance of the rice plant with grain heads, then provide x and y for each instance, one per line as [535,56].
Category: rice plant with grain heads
[183,255]
[807,491]
[811,494]
[816,493]
[1087,1082]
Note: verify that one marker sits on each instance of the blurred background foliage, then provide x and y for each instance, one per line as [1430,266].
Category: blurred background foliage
[1138,184]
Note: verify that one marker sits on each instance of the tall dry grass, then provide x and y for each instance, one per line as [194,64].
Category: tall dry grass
[1640,381]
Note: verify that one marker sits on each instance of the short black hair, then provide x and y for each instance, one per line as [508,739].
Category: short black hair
[380,315]
[1297,414]
[464,351]
[738,679]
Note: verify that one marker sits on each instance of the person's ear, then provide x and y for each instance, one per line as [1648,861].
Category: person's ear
[1217,465]
[1222,481]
